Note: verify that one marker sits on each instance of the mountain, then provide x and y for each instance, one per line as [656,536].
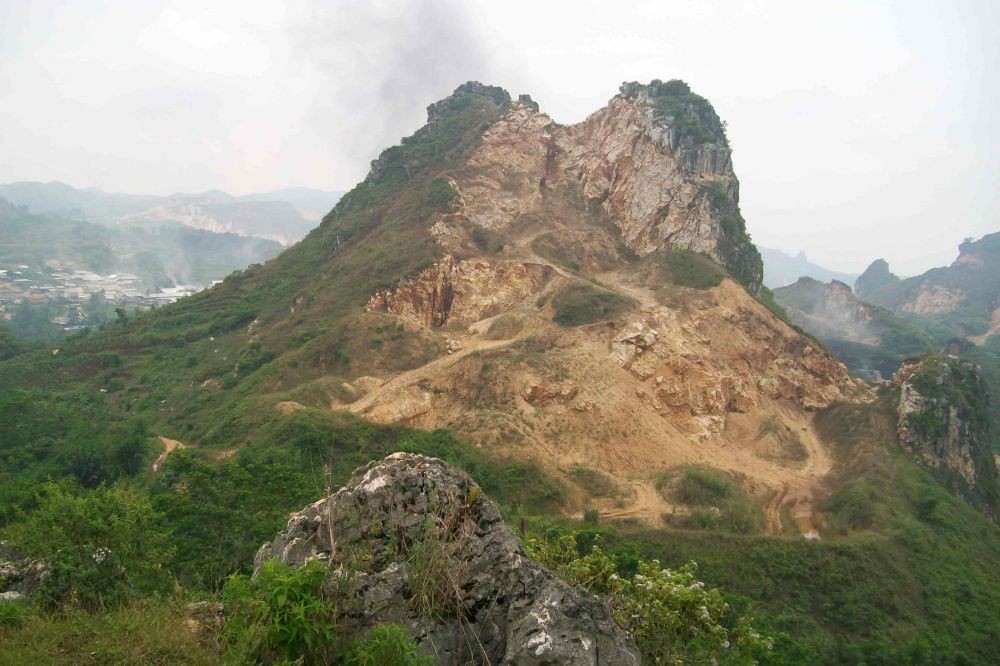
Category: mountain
[311,203]
[160,257]
[781,270]
[61,199]
[283,216]
[870,340]
[959,300]
[573,314]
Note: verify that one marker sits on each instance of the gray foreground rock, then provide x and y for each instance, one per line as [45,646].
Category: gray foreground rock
[424,548]
[18,575]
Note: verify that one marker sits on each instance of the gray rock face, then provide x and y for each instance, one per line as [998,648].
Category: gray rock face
[18,575]
[943,421]
[422,547]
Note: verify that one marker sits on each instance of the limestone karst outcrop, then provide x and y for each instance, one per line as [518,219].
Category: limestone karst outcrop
[18,575]
[497,606]
[944,422]
[655,160]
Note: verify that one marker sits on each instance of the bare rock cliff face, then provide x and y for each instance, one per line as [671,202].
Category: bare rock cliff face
[661,192]
[462,292]
[943,421]
[664,180]
[497,606]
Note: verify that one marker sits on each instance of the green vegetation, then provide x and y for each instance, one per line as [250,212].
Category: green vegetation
[14,613]
[692,116]
[103,548]
[282,615]
[582,303]
[594,482]
[439,194]
[683,268]
[673,617]
[716,501]
[735,246]
[151,632]
[10,344]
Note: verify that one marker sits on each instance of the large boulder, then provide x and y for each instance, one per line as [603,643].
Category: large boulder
[421,546]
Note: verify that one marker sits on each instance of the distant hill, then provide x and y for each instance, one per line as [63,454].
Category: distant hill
[867,338]
[311,203]
[961,300]
[781,269]
[284,216]
[160,257]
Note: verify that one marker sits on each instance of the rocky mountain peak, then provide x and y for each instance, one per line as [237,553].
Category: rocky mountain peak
[876,276]
[655,160]
[439,109]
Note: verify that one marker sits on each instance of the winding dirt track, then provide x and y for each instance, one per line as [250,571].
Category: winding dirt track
[647,504]
[411,377]
[169,445]
[772,511]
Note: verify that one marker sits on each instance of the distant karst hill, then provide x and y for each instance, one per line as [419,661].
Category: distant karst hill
[283,216]
[782,270]
[871,340]
[961,300]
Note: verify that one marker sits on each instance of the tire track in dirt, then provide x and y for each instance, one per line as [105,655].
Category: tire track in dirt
[772,511]
[647,505]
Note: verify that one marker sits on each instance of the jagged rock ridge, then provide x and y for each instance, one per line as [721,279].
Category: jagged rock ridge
[498,607]
[665,181]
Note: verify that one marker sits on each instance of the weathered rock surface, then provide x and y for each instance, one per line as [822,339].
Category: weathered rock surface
[944,422]
[18,575]
[495,606]
[661,190]
[462,292]
[829,311]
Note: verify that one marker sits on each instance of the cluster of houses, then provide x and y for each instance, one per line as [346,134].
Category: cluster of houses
[75,289]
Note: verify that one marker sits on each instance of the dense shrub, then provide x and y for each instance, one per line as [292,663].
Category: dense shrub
[582,303]
[103,548]
[674,618]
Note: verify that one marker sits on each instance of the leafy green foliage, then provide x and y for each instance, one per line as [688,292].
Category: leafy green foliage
[70,436]
[386,645]
[692,116]
[674,618]
[103,548]
[735,247]
[439,194]
[291,615]
[582,303]
[283,614]
[716,501]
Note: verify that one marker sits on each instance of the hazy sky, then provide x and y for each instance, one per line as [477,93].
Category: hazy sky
[860,129]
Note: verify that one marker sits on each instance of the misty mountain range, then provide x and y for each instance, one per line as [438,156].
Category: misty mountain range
[782,270]
[284,216]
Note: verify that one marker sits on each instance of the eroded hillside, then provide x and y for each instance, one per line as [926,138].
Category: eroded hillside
[581,321]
